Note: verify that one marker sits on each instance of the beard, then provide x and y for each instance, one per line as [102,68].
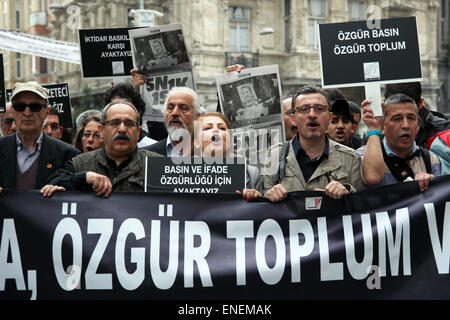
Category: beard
[178,133]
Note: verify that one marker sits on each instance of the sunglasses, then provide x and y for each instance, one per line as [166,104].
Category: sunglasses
[34,106]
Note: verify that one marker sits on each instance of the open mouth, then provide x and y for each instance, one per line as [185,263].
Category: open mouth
[405,137]
[312,125]
[89,149]
[216,138]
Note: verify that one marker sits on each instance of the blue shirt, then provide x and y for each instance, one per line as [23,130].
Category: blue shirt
[171,150]
[25,157]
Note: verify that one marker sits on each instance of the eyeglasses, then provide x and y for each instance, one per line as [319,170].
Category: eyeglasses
[8,121]
[34,106]
[54,126]
[87,135]
[304,109]
[115,123]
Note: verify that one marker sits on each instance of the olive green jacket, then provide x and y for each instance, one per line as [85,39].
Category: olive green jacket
[130,179]
[343,165]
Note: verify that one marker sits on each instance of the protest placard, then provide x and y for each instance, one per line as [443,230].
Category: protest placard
[352,54]
[159,50]
[195,175]
[105,53]
[251,101]
[357,54]
[155,90]
[58,98]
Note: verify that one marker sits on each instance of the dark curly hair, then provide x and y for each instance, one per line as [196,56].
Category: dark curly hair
[126,91]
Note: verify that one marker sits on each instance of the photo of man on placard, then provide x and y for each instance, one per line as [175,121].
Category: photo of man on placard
[156,53]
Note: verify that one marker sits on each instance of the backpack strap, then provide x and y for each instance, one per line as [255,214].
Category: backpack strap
[279,175]
[399,168]
[426,158]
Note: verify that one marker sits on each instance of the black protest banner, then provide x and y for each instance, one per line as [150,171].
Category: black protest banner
[105,52]
[359,52]
[58,98]
[2,87]
[195,175]
[390,242]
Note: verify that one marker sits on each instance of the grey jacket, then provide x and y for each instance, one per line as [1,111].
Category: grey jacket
[343,165]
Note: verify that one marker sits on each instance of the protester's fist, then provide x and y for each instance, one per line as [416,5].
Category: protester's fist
[49,189]
[276,193]
[373,123]
[424,180]
[249,194]
[235,67]
[137,78]
[100,183]
[334,189]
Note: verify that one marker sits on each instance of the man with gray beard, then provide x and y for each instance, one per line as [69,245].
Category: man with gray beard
[118,166]
[182,108]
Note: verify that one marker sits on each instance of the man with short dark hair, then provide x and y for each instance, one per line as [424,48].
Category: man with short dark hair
[29,157]
[430,122]
[8,125]
[312,160]
[52,124]
[117,166]
[396,157]
[341,128]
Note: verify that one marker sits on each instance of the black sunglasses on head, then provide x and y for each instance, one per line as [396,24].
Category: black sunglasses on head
[34,106]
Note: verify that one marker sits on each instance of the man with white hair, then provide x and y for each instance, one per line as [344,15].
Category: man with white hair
[181,109]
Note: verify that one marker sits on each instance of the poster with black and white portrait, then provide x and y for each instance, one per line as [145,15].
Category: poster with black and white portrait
[158,49]
[251,101]
[250,97]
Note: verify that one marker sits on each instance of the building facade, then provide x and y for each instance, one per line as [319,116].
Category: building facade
[220,33]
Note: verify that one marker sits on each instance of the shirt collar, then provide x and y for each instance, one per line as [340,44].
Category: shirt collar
[38,142]
[297,146]
[171,150]
[389,152]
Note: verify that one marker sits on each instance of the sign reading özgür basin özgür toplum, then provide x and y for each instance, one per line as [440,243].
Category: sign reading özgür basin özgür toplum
[356,53]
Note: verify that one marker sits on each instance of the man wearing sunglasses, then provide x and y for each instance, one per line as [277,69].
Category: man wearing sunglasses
[311,161]
[119,166]
[29,157]
[8,125]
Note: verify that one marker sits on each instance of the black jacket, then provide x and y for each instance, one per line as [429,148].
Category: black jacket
[54,153]
[158,147]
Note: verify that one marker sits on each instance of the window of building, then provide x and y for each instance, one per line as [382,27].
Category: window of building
[356,10]
[18,22]
[287,25]
[444,23]
[43,66]
[317,10]
[18,65]
[239,33]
